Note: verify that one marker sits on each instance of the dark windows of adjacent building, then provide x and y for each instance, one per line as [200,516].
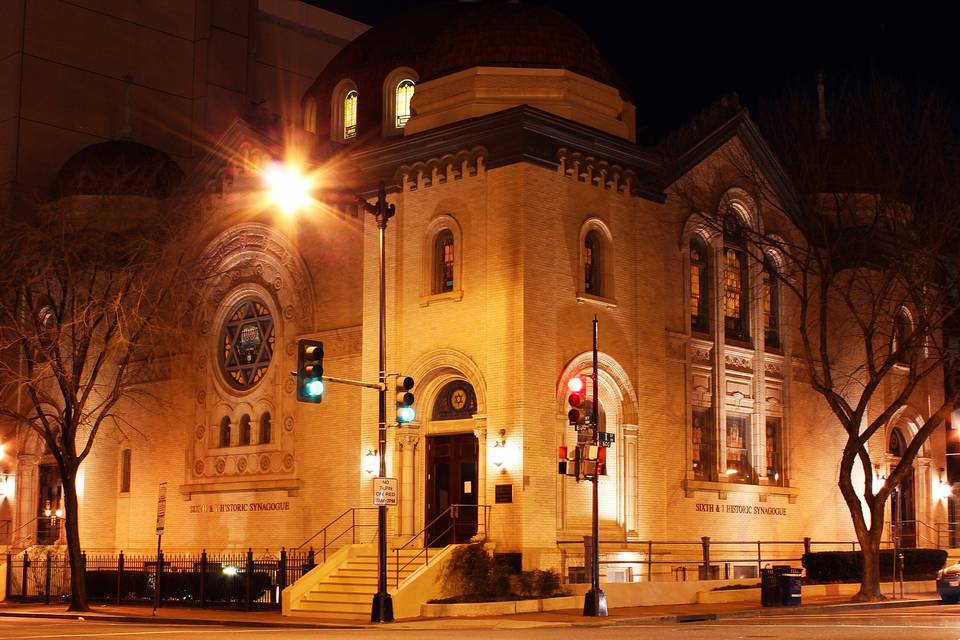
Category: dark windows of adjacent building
[225,431]
[244,430]
[247,341]
[774,453]
[738,467]
[699,286]
[265,428]
[703,467]
[593,263]
[902,331]
[125,460]
[350,115]
[443,262]
[771,306]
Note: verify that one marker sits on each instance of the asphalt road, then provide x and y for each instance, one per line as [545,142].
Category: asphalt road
[927,623]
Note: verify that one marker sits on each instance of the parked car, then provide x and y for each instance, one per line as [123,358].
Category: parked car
[948,583]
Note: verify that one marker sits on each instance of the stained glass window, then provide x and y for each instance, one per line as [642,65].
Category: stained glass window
[897,443]
[350,115]
[699,286]
[247,341]
[455,401]
[443,278]
[774,455]
[403,95]
[771,307]
[592,282]
[702,445]
[734,293]
[738,468]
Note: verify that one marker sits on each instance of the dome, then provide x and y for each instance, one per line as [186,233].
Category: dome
[441,39]
[118,168]
[514,35]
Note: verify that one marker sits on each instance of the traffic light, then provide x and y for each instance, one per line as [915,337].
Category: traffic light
[405,411]
[309,371]
[580,406]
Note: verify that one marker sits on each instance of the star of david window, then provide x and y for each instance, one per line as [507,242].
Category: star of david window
[247,341]
[455,401]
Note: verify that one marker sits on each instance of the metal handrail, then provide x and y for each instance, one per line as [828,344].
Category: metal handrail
[452,510]
[352,529]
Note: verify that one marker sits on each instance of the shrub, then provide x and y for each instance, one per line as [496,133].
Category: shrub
[847,566]
[472,575]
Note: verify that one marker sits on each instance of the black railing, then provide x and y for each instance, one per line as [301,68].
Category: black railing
[344,529]
[429,533]
[240,580]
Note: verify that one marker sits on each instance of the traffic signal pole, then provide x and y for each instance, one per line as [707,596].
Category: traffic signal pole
[595,600]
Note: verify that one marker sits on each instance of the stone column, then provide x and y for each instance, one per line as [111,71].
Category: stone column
[480,430]
[407,439]
[629,449]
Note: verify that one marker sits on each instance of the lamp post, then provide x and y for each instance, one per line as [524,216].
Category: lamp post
[290,190]
[382,608]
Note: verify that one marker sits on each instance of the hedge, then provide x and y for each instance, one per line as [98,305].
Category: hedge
[847,566]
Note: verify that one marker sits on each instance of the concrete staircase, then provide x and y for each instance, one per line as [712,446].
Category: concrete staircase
[343,587]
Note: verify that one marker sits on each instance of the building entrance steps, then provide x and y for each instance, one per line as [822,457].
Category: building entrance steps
[343,587]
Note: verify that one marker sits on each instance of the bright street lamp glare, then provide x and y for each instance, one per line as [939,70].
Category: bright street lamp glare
[289,189]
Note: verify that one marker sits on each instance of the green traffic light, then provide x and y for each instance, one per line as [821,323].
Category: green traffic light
[406,414]
[314,388]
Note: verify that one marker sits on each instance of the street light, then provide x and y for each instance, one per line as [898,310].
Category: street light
[290,190]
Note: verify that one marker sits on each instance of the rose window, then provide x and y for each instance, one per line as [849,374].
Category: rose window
[247,341]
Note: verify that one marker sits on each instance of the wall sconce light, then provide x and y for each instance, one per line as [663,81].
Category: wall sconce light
[943,489]
[371,462]
[499,454]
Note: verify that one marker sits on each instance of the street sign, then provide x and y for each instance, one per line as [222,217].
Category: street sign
[385,492]
[161,507]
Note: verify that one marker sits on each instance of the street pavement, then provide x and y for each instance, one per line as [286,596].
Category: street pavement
[818,618]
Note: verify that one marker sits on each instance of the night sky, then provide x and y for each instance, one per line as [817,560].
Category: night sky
[677,58]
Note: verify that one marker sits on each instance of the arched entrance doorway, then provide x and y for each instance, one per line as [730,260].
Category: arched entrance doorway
[903,510]
[452,466]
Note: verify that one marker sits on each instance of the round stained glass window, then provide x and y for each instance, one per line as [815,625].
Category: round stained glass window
[247,341]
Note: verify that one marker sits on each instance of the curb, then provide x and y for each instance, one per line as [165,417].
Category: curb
[203,622]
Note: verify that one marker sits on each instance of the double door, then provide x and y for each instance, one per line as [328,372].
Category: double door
[451,489]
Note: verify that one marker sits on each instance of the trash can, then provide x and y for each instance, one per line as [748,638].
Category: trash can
[790,585]
[772,586]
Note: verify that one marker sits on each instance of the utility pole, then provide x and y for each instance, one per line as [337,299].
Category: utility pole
[595,600]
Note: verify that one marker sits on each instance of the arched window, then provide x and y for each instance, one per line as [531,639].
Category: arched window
[593,263]
[402,96]
[225,431]
[244,430]
[771,305]
[265,428]
[443,262]
[456,401]
[898,444]
[699,286]
[902,332]
[310,115]
[736,284]
[350,115]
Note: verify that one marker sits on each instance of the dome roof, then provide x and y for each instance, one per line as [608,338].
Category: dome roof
[117,168]
[441,39]
[514,35]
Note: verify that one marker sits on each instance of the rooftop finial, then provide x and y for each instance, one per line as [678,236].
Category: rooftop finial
[823,126]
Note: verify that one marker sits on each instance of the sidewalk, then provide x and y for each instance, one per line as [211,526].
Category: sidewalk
[563,618]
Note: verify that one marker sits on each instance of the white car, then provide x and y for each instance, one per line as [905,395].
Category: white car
[948,583]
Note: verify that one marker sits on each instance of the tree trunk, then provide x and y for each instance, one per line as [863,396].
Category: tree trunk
[78,576]
[870,550]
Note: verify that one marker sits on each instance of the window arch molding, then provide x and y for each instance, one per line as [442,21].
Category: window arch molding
[389,93]
[337,114]
[430,263]
[743,204]
[603,292]
[903,326]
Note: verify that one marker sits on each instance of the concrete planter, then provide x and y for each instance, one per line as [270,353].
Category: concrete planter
[811,590]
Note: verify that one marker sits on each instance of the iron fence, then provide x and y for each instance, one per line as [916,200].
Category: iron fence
[241,580]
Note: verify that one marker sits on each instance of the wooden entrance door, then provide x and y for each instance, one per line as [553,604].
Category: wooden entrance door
[905,511]
[451,489]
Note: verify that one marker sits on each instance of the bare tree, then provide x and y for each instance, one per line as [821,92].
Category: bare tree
[91,293]
[869,220]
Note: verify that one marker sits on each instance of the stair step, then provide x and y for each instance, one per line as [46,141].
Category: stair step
[319,612]
[359,605]
[315,595]
[326,587]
